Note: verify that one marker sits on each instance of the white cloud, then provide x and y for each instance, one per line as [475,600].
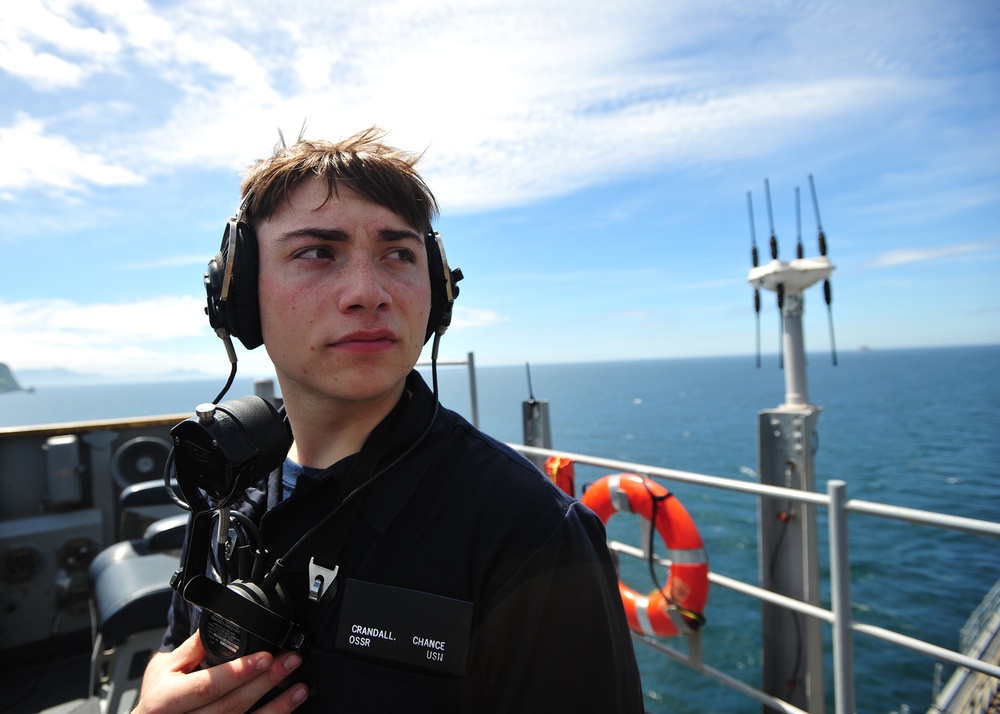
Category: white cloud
[28,26]
[904,256]
[33,159]
[155,336]
[166,262]
[104,338]
[515,101]
[565,150]
[466,317]
[162,318]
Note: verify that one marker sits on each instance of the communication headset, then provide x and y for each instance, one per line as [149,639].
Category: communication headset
[231,285]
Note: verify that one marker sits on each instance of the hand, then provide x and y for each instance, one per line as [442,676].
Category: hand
[173,683]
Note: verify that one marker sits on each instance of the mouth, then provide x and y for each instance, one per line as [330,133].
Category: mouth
[365,341]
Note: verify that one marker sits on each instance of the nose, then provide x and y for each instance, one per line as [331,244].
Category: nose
[361,287]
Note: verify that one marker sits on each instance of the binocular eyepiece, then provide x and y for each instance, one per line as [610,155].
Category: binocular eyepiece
[226,447]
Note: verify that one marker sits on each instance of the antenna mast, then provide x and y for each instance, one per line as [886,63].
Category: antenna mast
[792,662]
[789,280]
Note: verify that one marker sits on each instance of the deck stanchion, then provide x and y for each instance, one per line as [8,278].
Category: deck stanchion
[840,599]
[473,394]
[470,364]
[537,429]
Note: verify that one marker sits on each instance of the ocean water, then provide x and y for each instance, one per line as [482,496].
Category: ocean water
[917,428]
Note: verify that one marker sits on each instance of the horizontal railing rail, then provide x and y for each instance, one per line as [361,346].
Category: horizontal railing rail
[470,364]
[980,617]
[839,615]
[910,515]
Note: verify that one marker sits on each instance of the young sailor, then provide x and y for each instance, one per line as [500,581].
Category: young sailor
[464,580]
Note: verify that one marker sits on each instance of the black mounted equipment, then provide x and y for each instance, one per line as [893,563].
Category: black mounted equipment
[219,453]
[224,448]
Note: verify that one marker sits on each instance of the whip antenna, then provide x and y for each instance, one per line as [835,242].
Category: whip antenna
[770,221]
[780,291]
[780,288]
[827,289]
[819,224]
[799,253]
[755,260]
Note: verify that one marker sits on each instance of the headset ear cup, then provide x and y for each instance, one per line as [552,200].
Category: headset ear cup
[216,308]
[244,309]
[443,287]
[234,309]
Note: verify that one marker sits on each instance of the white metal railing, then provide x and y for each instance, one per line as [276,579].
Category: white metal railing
[980,617]
[470,364]
[839,615]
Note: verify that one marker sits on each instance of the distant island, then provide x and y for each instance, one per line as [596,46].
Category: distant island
[7,381]
[53,376]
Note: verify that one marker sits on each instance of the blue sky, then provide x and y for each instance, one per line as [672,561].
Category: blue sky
[592,161]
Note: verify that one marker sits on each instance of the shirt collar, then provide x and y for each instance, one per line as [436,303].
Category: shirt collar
[408,445]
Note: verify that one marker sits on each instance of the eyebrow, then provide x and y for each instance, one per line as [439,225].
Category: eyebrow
[388,235]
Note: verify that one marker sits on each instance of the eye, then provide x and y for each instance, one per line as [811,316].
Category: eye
[316,252]
[405,255]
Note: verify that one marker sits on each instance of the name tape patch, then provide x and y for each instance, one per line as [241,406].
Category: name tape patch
[405,626]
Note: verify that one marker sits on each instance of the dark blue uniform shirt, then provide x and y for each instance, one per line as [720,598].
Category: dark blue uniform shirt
[465,529]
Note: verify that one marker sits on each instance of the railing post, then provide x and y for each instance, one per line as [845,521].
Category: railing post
[788,553]
[537,430]
[101,469]
[840,599]
[473,395]
[264,388]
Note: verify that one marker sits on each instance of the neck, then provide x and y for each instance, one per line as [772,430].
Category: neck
[325,431]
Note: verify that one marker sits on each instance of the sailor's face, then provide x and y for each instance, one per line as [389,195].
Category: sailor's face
[344,295]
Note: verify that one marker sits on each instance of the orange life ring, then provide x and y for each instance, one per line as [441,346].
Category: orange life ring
[560,471]
[678,606]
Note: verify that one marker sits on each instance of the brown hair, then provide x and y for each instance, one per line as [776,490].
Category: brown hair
[364,163]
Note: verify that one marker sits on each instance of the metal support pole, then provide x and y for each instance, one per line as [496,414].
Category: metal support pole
[788,550]
[264,388]
[796,385]
[473,395]
[840,599]
[537,430]
[102,483]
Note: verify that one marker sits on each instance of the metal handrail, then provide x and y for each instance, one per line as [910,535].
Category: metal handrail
[470,364]
[971,632]
[839,615]
[911,515]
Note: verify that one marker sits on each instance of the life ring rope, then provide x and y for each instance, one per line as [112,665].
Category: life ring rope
[677,606]
[689,556]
